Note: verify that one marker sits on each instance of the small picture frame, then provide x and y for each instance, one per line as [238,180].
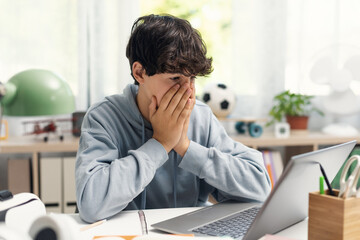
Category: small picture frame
[282,130]
[4,131]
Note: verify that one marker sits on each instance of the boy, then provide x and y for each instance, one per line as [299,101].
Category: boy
[155,146]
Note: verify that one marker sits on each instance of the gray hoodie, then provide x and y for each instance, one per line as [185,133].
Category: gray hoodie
[120,166]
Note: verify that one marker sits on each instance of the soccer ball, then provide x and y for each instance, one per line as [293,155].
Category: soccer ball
[220,99]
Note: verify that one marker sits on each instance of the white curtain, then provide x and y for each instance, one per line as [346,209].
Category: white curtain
[259,54]
[276,42]
[38,34]
[84,41]
[104,28]
[318,29]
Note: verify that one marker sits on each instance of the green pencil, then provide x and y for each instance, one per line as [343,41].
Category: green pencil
[322,185]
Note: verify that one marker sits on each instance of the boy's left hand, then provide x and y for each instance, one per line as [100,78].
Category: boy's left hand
[184,142]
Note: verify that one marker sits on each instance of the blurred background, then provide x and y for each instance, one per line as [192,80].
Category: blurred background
[260,47]
[71,54]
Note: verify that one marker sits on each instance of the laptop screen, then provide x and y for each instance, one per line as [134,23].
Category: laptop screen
[288,202]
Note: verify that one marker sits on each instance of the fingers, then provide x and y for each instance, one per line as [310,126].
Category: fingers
[168,96]
[152,107]
[185,105]
[171,119]
[184,113]
[192,86]
[172,98]
[177,103]
[180,99]
[191,104]
[193,97]
[187,101]
[186,123]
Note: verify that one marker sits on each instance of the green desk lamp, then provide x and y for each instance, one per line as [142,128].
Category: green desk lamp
[36,92]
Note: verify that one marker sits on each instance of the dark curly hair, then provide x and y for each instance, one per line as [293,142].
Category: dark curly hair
[167,44]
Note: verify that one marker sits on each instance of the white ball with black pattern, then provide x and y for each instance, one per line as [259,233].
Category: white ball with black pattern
[220,98]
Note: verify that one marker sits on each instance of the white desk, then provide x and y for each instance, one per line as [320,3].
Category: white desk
[127,223]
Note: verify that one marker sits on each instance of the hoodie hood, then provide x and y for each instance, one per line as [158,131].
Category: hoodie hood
[126,104]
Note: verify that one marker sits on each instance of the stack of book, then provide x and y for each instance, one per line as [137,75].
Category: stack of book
[274,165]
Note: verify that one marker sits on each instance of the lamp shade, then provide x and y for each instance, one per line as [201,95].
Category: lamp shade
[37,92]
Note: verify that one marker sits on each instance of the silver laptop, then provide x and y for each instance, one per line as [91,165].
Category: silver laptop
[286,205]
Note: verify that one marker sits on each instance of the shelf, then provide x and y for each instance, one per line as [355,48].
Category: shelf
[29,144]
[314,139]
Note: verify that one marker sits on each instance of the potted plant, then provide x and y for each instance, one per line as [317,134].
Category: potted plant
[296,108]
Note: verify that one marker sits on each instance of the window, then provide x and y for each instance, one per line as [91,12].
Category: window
[316,29]
[39,34]
[213,21]
[245,39]
[259,48]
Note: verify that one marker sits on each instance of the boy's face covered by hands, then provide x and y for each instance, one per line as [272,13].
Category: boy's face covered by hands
[169,99]
[160,85]
[171,104]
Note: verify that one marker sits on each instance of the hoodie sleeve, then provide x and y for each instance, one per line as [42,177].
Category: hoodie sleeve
[105,183]
[236,171]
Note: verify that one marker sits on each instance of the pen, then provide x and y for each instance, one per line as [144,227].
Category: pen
[92,225]
[331,192]
[322,185]
[144,229]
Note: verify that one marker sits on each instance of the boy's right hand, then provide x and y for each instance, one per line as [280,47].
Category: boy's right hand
[169,118]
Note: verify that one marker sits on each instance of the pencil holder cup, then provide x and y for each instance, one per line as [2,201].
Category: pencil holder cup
[331,217]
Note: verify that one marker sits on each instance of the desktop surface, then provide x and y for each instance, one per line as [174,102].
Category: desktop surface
[128,223]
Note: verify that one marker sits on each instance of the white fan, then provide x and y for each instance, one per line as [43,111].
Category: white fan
[342,101]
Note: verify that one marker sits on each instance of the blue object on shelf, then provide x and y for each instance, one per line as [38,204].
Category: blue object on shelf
[240,127]
[255,130]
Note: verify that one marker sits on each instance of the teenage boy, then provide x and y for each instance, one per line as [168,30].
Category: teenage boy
[155,145]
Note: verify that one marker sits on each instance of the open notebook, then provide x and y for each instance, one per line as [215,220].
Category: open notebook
[286,205]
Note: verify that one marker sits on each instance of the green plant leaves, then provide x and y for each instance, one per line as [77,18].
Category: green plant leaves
[292,104]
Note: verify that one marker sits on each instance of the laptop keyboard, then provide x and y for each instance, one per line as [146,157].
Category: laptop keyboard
[233,226]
